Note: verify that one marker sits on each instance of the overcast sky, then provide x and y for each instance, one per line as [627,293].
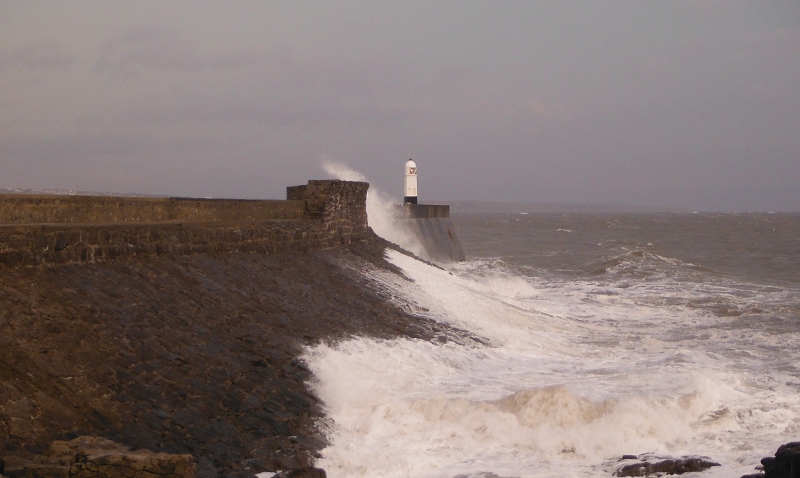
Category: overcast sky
[691,104]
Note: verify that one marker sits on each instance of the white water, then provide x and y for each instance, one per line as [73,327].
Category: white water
[571,382]
[572,379]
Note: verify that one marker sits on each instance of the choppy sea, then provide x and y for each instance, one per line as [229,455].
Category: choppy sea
[664,335]
[659,335]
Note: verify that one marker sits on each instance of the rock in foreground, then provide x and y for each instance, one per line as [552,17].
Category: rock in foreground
[94,457]
[306,472]
[785,463]
[669,467]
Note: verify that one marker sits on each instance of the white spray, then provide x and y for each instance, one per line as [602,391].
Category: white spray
[381,212]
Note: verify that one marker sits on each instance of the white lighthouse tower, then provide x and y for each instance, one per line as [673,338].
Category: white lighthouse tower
[410,195]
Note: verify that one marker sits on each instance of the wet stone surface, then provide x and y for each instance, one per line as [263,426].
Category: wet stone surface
[184,355]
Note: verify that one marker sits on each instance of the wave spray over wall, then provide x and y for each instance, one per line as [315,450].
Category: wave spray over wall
[381,212]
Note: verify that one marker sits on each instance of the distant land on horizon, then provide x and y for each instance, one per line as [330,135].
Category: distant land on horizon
[514,207]
[468,207]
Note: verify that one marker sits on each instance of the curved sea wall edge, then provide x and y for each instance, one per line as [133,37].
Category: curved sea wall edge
[175,325]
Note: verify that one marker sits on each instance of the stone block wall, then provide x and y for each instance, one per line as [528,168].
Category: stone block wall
[341,205]
[44,209]
[58,230]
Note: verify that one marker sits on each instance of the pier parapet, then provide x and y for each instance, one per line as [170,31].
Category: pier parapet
[53,229]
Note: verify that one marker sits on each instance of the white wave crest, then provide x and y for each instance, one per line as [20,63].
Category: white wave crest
[411,408]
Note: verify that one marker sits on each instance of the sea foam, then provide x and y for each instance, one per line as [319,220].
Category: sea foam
[567,385]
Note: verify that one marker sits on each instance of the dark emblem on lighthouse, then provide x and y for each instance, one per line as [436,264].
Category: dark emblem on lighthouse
[410,194]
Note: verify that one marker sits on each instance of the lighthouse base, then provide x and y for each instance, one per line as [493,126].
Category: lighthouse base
[432,227]
[410,200]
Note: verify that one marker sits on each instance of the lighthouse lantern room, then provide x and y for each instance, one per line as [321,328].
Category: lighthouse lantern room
[410,195]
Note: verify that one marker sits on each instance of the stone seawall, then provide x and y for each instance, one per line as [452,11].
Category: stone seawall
[37,209]
[40,230]
[190,345]
[186,354]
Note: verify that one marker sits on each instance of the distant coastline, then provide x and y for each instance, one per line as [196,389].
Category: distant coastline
[467,207]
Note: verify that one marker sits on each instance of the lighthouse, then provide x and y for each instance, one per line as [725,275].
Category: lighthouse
[410,195]
[429,224]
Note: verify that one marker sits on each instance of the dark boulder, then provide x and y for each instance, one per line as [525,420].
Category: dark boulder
[666,467]
[785,463]
[305,472]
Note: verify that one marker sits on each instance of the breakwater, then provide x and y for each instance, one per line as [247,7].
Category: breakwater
[431,226]
[194,354]
[176,325]
[40,229]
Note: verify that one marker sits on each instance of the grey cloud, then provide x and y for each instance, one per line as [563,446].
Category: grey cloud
[36,56]
[147,48]
[87,148]
[693,103]
[152,48]
[278,114]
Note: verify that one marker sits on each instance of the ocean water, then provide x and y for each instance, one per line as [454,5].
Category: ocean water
[603,335]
